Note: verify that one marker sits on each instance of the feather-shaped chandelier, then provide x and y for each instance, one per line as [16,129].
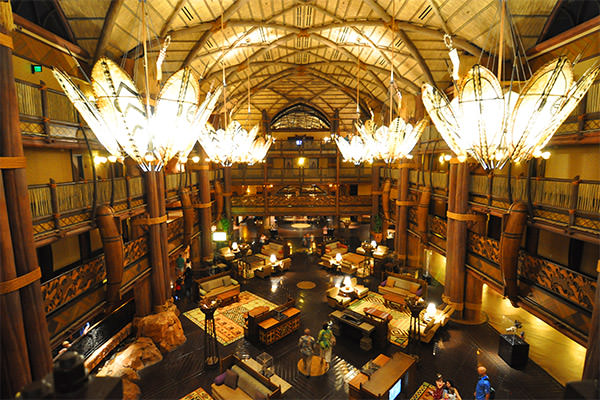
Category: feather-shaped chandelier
[493,125]
[354,149]
[234,144]
[115,112]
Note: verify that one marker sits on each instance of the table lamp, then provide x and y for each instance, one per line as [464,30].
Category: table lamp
[273,259]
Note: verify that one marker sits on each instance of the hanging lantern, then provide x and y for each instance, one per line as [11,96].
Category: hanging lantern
[115,112]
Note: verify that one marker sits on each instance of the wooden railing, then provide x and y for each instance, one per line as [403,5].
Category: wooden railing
[310,174]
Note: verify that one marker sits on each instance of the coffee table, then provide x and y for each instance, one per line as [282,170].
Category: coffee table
[378,314]
[393,300]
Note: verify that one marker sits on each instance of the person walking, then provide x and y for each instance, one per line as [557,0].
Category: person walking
[180,264]
[326,342]
[482,389]
[306,343]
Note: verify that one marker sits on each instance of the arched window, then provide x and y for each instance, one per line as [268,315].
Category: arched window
[300,116]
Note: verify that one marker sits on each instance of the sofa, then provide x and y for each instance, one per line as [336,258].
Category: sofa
[249,384]
[380,252]
[335,299]
[272,248]
[219,285]
[403,285]
[335,247]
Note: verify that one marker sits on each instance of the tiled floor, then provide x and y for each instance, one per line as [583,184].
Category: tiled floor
[454,352]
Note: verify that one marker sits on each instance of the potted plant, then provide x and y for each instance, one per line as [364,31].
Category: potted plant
[377,226]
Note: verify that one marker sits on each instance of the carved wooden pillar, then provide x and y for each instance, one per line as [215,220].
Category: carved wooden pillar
[205,204]
[422,217]
[375,191]
[142,292]
[219,200]
[473,298]
[112,242]
[188,215]
[591,367]
[161,193]
[510,242]
[456,236]
[402,214]
[18,221]
[227,195]
[159,291]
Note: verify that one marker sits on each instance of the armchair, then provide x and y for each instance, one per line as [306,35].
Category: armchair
[284,265]
[360,290]
[263,272]
[335,299]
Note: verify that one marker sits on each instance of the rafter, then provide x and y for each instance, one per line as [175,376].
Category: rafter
[107,27]
[171,18]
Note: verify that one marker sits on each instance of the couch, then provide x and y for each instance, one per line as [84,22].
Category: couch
[272,248]
[263,272]
[335,247]
[380,252]
[219,285]
[249,382]
[403,285]
[335,299]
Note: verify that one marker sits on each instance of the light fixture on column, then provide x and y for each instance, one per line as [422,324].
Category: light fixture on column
[126,124]
[493,124]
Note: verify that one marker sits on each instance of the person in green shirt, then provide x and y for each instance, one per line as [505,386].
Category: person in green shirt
[326,342]
[180,264]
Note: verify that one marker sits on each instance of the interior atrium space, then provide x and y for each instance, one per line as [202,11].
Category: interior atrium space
[300,199]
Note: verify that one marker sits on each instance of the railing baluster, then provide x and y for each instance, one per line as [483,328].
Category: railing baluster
[573,200]
[54,203]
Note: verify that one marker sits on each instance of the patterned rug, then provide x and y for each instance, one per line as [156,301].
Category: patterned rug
[399,325]
[198,394]
[229,320]
[423,393]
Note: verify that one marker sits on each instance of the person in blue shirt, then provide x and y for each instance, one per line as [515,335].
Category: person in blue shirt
[482,390]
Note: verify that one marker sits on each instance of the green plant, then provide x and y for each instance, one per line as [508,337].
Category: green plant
[377,223]
[223,224]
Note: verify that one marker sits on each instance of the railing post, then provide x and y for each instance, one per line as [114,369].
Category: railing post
[573,200]
[128,191]
[490,188]
[44,99]
[54,204]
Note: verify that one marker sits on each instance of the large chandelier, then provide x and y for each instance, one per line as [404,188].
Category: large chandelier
[392,143]
[127,124]
[234,144]
[493,125]
[354,149]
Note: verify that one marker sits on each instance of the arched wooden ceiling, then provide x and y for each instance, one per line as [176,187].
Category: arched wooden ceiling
[304,50]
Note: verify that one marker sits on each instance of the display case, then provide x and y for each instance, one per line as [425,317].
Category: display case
[266,362]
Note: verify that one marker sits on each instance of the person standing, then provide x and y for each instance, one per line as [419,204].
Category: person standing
[180,264]
[326,342]
[306,343]
[482,389]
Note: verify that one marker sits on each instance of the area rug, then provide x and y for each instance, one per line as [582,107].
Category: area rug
[424,392]
[306,285]
[399,325]
[198,394]
[229,320]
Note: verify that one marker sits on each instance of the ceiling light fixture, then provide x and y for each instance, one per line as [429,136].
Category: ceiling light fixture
[494,125]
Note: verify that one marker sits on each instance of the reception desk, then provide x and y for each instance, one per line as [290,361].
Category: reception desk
[267,327]
[386,375]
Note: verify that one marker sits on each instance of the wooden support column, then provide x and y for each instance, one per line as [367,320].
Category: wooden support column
[456,237]
[510,242]
[337,191]
[375,191]
[188,215]
[18,220]
[422,217]
[112,242]
[265,194]
[13,348]
[227,195]
[402,214]
[205,214]
[142,291]
[169,272]
[473,297]
[159,294]
[591,367]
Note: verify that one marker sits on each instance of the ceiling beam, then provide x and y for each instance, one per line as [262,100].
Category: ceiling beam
[109,23]
[233,8]
[171,18]
[382,13]
[437,12]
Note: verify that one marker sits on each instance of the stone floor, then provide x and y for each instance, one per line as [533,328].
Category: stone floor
[454,352]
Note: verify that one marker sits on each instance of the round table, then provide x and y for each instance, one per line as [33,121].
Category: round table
[300,225]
